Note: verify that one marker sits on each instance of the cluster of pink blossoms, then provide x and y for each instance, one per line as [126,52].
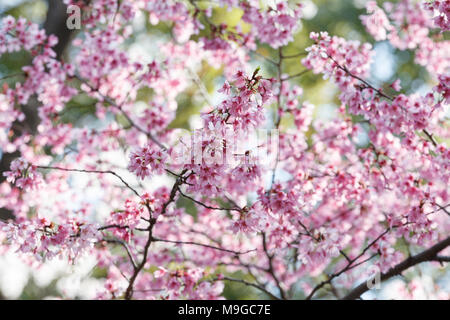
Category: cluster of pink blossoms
[441,13]
[274,26]
[415,33]
[211,153]
[26,35]
[146,160]
[341,195]
[46,77]
[392,26]
[45,240]
[348,64]
[125,220]
[24,175]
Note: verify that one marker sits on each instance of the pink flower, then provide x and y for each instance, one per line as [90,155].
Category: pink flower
[225,88]
[23,175]
[145,161]
[396,85]
[160,272]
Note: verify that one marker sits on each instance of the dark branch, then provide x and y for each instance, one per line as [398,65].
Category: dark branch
[204,245]
[248,284]
[427,255]
[93,171]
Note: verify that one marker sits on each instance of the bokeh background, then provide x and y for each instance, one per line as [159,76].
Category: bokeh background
[18,281]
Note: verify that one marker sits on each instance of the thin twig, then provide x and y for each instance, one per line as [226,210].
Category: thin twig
[271,269]
[132,123]
[203,245]
[427,255]
[123,244]
[295,75]
[207,206]
[92,171]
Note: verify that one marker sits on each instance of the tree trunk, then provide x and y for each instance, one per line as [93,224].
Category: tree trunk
[55,23]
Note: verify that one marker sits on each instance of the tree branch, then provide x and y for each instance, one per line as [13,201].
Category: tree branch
[271,270]
[254,285]
[205,205]
[152,222]
[204,245]
[427,255]
[93,171]
[118,107]
[125,246]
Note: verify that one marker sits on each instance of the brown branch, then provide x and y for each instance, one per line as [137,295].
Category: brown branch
[279,71]
[205,205]
[379,92]
[140,266]
[292,56]
[427,255]
[348,266]
[261,288]
[295,75]
[203,245]
[443,208]
[125,246]
[278,114]
[152,222]
[430,136]
[113,226]
[55,23]
[12,75]
[344,68]
[271,270]
[118,107]
[93,171]
[265,58]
